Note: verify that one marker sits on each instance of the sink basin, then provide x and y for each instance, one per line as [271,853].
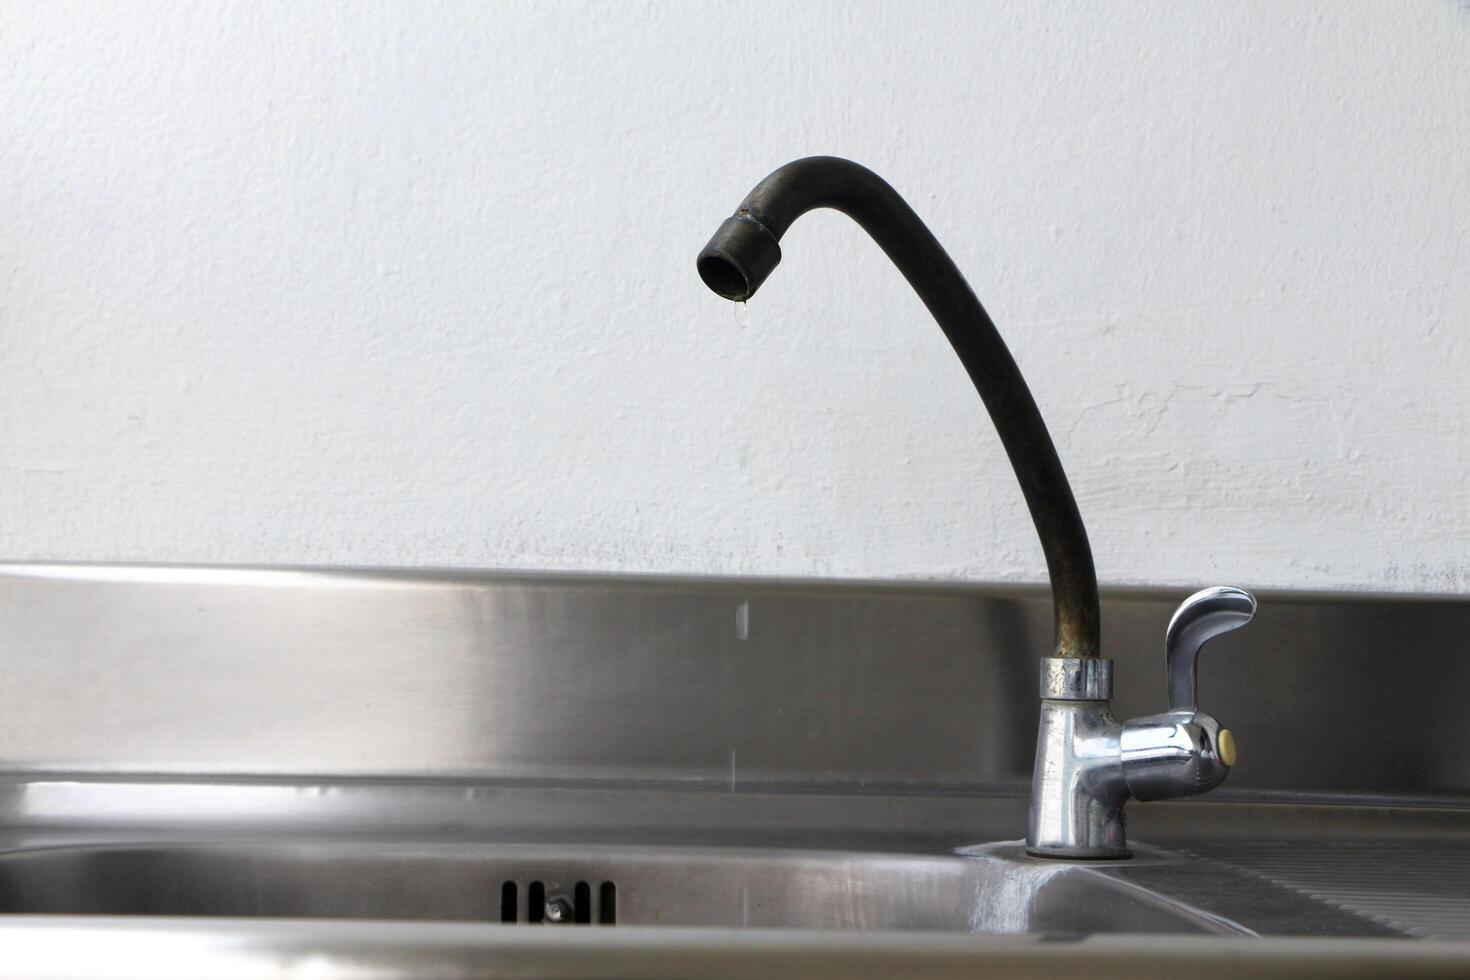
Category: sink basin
[994,889]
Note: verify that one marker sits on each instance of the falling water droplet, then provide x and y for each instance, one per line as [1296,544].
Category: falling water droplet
[742,315]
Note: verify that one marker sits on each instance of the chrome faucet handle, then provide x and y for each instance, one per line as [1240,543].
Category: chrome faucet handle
[1199,619]
[1185,751]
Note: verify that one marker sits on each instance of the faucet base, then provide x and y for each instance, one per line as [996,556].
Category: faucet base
[1077,784]
[1088,853]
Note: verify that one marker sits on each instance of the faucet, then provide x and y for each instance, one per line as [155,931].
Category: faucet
[1087,764]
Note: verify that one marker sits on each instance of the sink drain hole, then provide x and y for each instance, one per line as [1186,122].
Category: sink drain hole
[581,908]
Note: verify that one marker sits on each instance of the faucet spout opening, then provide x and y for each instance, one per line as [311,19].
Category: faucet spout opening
[744,251]
[738,258]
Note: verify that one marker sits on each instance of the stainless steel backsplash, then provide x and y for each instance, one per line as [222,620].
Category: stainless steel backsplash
[745,683]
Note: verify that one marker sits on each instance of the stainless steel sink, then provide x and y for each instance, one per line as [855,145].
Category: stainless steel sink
[106,878]
[242,772]
[990,890]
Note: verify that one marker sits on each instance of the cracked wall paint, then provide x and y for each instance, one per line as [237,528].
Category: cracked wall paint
[415,287]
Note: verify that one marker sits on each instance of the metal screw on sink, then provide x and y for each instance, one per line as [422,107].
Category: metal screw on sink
[558,910]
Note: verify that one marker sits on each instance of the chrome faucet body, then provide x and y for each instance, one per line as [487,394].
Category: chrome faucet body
[1087,764]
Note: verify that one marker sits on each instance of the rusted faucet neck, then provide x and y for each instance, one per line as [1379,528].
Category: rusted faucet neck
[744,251]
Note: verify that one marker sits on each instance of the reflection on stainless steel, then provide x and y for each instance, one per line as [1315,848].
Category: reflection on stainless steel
[1087,765]
[171,856]
[684,886]
[206,949]
[484,676]
[687,857]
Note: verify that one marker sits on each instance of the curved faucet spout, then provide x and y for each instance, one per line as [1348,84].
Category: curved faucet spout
[744,251]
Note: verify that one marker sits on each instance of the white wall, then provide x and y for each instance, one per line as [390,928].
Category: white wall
[406,284]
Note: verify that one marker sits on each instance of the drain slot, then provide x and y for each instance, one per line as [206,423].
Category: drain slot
[536,902]
[508,895]
[607,904]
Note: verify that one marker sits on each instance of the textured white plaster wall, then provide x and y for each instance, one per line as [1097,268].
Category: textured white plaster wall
[412,284]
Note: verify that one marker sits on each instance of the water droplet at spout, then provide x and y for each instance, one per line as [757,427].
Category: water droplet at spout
[742,315]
